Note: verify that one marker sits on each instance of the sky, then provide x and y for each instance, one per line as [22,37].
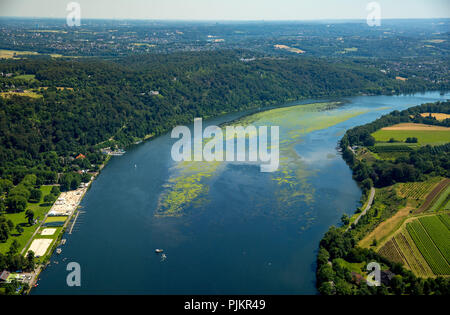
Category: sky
[227,9]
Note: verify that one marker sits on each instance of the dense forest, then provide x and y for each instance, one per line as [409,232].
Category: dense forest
[55,110]
[81,105]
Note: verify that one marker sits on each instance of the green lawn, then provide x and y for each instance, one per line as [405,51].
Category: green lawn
[39,209]
[424,136]
[28,77]
[355,267]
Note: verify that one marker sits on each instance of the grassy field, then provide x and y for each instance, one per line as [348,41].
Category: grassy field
[25,93]
[28,77]
[426,134]
[423,136]
[8,54]
[40,209]
[355,267]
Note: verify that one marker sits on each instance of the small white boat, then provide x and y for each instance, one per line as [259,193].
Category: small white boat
[58,251]
[159,251]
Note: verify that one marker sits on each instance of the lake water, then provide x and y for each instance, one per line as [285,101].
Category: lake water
[237,230]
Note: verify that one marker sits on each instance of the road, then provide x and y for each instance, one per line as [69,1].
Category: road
[367,208]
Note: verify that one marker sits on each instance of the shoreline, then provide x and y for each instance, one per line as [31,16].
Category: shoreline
[76,212]
[71,219]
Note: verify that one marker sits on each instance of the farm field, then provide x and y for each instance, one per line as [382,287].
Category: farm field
[412,255]
[401,249]
[436,194]
[428,248]
[441,201]
[25,93]
[445,218]
[425,134]
[417,190]
[438,116]
[419,196]
[439,233]
[13,54]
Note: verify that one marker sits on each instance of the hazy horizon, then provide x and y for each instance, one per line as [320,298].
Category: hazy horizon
[230,10]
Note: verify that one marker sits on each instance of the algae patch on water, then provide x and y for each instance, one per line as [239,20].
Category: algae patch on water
[188,184]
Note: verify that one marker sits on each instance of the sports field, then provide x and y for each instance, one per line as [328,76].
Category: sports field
[47,232]
[40,246]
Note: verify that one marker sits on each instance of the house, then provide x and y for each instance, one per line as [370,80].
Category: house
[386,276]
[80,156]
[357,278]
[4,276]
[400,78]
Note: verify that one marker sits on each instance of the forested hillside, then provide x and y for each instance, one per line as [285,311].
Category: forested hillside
[77,104]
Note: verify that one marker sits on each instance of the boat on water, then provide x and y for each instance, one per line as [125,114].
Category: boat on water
[159,251]
[58,251]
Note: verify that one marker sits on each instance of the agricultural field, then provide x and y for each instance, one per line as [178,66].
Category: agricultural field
[25,93]
[17,54]
[401,249]
[437,116]
[439,233]
[391,251]
[425,134]
[436,197]
[412,255]
[445,218]
[441,201]
[8,54]
[428,248]
[417,190]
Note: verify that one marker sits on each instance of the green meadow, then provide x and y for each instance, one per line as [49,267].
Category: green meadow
[40,210]
[424,137]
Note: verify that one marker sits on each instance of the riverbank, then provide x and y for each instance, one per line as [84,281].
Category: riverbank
[405,231]
[68,204]
[268,235]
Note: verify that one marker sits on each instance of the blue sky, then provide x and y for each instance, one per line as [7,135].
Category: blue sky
[228,9]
